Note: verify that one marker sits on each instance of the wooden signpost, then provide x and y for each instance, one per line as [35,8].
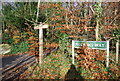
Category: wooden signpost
[41,27]
[101,45]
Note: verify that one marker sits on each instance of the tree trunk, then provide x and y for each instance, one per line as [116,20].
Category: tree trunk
[37,11]
[1,24]
[97,31]
[97,23]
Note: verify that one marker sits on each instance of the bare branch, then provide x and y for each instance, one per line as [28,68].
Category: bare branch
[114,19]
[29,20]
[92,10]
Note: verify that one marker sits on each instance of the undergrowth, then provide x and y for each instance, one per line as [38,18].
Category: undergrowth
[89,64]
[55,66]
[92,64]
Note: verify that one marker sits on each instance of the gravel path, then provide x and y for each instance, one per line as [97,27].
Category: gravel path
[11,64]
[6,61]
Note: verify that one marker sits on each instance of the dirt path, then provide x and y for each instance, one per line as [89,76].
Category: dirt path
[13,66]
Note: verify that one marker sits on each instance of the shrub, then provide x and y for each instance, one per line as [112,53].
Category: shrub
[92,64]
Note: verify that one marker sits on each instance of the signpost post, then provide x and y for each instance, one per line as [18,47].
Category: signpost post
[107,58]
[101,45]
[117,50]
[41,27]
[73,51]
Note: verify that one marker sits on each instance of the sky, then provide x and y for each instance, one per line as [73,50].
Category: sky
[60,0]
[0,5]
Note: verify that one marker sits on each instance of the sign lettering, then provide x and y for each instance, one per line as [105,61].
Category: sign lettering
[91,44]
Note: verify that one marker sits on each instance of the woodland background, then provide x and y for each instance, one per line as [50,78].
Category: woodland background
[84,21]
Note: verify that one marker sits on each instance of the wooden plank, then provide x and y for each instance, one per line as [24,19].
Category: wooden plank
[41,26]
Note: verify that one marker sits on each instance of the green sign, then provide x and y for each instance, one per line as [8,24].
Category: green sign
[101,45]
[91,44]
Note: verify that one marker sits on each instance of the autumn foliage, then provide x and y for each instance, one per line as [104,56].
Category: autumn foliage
[93,64]
[75,23]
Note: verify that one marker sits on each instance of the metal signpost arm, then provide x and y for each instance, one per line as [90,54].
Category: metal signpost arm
[107,57]
[117,50]
[72,51]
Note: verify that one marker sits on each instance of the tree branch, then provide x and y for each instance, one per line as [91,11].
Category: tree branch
[29,20]
[92,10]
[114,19]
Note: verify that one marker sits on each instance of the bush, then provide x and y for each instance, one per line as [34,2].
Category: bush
[7,39]
[20,47]
[92,64]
